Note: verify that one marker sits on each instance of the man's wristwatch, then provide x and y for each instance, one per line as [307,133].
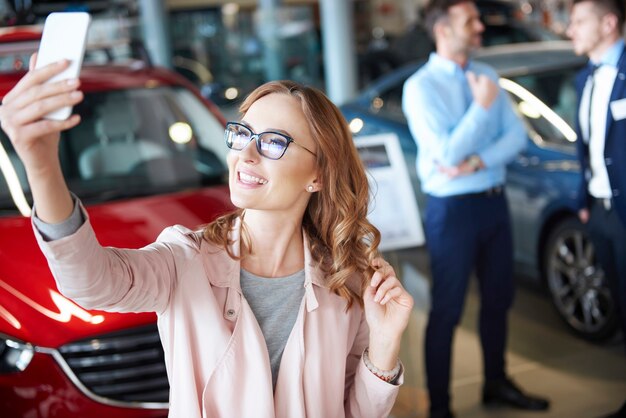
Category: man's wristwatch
[475,162]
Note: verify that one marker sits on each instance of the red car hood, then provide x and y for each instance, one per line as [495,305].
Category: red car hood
[31,308]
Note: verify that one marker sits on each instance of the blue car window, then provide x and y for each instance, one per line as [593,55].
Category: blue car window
[389,103]
[555,89]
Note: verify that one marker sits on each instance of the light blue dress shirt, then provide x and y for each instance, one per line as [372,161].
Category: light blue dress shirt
[449,126]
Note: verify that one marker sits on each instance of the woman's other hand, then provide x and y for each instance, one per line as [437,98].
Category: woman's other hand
[387,310]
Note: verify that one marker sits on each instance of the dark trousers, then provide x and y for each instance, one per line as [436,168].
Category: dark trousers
[608,235]
[465,234]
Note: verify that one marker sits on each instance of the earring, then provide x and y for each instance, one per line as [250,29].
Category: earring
[310,188]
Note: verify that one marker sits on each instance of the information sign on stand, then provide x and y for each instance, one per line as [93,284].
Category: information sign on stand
[393,209]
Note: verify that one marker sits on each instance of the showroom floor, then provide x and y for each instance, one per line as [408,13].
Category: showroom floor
[581,379]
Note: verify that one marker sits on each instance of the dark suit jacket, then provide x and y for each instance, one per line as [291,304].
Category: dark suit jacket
[615,144]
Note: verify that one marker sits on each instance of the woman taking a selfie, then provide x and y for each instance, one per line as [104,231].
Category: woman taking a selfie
[280,309]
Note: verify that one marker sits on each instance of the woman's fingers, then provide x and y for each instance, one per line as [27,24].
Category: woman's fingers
[385,270]
[38,109]
[45,127]
[385,286]
[44,91]
[35,77]
[24,107]
[32,62]
[395,292]
[28,123]
[383,279]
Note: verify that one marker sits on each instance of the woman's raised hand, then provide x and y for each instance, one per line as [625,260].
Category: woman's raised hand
[36,140]
[21,115]
[387,310]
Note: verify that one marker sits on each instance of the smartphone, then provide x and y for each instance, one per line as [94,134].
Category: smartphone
[64,37]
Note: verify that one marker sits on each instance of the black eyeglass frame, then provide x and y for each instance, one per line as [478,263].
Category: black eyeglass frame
[255,137]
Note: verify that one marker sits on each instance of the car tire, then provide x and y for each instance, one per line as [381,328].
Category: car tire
[576,282]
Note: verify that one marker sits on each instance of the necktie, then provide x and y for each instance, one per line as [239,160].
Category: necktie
[594,68]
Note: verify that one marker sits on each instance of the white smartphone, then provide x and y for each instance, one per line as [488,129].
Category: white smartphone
[64,37]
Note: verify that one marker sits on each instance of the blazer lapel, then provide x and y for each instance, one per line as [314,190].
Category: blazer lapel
[618,90]
[579,84]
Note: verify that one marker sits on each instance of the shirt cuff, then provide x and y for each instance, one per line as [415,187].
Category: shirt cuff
[53,232]
[478,113]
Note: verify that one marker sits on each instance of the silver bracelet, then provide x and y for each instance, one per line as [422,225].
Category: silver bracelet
[386,375]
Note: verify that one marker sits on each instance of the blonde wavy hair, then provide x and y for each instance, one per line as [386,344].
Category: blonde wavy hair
[341,239]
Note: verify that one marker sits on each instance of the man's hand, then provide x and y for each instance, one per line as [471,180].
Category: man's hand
[469,166]
[483,89]
[583,215]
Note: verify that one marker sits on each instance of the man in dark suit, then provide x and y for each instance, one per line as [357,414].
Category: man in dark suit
[596,29]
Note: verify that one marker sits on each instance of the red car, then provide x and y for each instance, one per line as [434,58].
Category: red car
[148,154]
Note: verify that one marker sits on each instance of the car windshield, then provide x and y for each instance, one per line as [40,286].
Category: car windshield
[134,142]
[551,107]
[516,33]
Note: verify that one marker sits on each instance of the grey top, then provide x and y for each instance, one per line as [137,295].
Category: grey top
[51,232]
[275,303]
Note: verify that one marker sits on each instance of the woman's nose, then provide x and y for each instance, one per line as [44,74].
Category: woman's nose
[249,152]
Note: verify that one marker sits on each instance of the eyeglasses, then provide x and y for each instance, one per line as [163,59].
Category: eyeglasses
[269,144]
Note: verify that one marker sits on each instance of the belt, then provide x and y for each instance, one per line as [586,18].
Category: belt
[490,192]
[606,202]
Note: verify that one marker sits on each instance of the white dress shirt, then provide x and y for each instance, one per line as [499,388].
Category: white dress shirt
[603,81]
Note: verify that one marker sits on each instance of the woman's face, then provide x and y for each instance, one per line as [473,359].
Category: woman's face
[259,183]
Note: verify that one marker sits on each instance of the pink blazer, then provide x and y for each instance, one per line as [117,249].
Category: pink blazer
[216,356]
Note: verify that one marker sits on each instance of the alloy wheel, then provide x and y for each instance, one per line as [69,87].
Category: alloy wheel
[577,283]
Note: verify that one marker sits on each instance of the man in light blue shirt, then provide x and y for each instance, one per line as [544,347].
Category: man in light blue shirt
[466,133]
[452,127]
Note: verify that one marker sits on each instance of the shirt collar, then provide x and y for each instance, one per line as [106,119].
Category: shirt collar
[448,66]
[227,273]
[612,56]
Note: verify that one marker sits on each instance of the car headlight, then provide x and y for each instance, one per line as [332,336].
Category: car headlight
[15,355]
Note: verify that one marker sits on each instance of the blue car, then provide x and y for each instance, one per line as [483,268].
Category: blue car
[551,245]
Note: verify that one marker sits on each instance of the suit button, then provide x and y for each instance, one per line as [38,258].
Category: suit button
[230,312]
[608,161]
[615,193]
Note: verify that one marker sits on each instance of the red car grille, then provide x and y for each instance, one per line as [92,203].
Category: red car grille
[125,366]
